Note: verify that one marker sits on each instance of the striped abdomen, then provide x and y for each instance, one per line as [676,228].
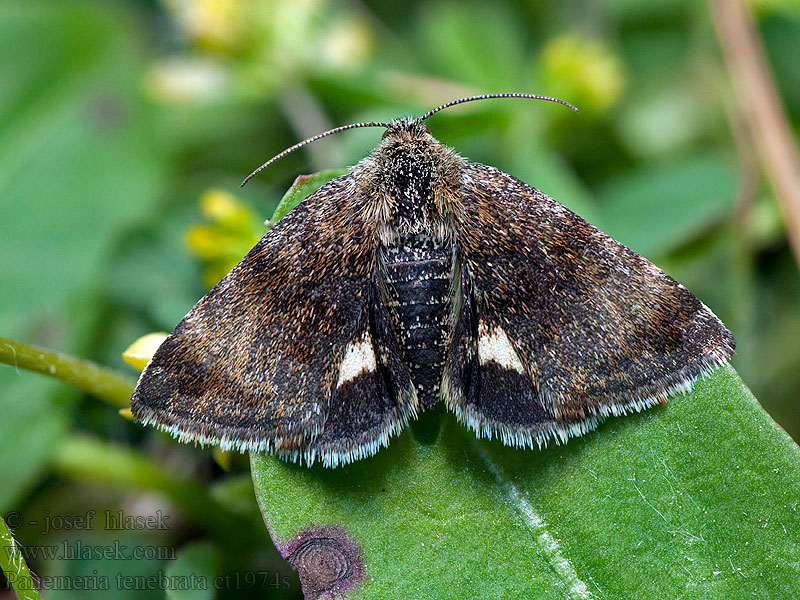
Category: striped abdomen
[417,276]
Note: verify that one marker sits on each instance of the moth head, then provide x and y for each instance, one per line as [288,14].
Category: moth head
[411,178]
[406,147]
[412,129]
[406,127]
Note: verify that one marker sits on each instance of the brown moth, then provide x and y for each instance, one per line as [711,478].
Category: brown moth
[419,277]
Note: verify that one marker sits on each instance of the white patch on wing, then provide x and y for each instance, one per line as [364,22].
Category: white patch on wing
[494,346]
[358,358]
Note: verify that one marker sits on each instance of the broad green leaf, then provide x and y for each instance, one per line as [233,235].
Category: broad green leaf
[23,454]
[542,169]
[655,210]
[77,163]
[26,407]
[105,567]
[303,186]
[474,44]
[77,166]
[698,499]
[196,566]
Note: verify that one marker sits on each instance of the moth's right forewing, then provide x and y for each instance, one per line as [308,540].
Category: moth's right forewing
[253,365]
[567,324]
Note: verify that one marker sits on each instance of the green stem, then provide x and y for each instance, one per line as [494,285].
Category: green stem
[102,382]
[88,459]
[13,564]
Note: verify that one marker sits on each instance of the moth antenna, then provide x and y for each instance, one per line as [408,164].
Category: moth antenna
[488,96]
[308,141]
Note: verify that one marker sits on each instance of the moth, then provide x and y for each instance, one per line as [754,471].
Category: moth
[419,278]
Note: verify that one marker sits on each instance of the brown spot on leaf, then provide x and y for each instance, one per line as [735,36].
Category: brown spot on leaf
[327,560]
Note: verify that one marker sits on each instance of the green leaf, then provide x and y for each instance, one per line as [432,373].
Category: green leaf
[31,426]
[475,44]
[656,209]
[698,499]
[303,186]
[77,161]
[14,567]
[105,568]
[85,458]
[78,164]
[22,454]
[197,566]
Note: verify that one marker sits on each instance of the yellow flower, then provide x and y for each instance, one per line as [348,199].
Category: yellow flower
[139,352]
[213,24]
[232,231]
[582,71]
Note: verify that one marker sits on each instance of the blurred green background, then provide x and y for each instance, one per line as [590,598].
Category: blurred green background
[118,118]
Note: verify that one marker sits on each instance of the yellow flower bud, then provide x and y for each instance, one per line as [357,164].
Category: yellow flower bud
[140,351]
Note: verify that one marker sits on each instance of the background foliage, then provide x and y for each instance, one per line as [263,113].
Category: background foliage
[117,119]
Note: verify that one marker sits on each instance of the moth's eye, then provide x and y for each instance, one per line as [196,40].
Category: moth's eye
[427,129]
[385,133]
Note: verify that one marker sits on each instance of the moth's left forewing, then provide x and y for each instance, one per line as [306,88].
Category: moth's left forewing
[567,325]
[282,353]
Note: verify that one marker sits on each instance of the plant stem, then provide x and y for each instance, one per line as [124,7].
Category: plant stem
[761,106]
[89,459]
[13,564]
[102,382]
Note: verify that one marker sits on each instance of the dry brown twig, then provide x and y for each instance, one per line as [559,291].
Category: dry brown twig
[762,110]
